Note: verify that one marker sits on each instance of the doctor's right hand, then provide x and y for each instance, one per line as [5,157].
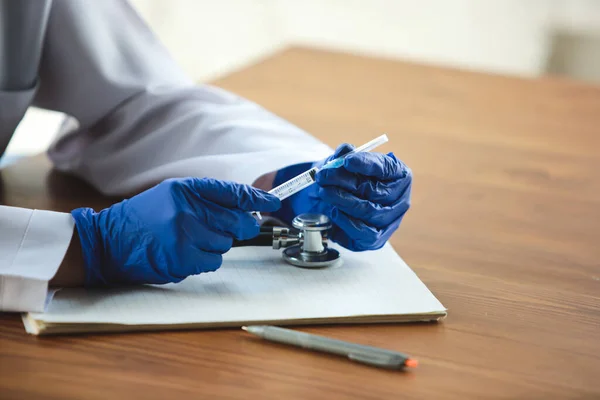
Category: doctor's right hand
[178,228]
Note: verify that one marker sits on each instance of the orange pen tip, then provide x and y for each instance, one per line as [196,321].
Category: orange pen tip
[411,363]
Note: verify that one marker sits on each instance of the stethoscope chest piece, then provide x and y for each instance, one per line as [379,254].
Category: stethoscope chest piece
[312,252]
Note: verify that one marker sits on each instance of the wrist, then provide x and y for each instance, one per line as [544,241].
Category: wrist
[91,247]
[265,182]
[299,202]
[70,273]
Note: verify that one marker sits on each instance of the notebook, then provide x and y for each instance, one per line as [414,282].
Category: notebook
[253,286]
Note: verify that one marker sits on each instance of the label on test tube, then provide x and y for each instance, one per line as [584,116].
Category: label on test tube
[294,185]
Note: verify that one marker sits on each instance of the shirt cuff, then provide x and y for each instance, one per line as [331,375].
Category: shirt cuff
[33,243]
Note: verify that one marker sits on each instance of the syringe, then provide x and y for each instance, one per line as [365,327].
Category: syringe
[307,178]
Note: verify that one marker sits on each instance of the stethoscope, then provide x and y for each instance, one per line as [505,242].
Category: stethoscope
[305,245]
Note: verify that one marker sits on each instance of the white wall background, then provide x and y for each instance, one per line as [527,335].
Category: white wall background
[465,33]
[210,38]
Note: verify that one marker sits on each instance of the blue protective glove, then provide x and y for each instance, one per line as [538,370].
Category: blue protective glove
[366,198]
[178,228]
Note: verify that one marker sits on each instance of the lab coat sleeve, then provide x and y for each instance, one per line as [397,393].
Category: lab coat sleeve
[13,105]
[33,244]
[138,119]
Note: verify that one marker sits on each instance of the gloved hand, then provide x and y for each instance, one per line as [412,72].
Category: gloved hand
[178,228]
[366,198]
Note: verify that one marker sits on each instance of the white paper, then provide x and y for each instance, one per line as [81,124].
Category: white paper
[49,296]
[255,284]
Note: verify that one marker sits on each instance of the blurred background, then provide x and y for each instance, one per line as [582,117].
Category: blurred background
[211,38]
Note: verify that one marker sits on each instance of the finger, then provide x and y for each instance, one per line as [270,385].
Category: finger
[363,210]
[210,262]
[355,234]
[374,214]
[196,261]
[236,224]
[203,237]
[338,177]
[231,222]
[339,152]
[342,149]
[376,165]
[385,193]
[235,195]
[381,192]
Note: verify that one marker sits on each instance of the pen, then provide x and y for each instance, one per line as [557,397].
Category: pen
[364,354]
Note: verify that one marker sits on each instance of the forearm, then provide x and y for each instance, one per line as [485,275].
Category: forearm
[71,272]
[265,182]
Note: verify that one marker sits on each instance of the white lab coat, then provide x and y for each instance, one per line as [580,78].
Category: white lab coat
[136,120]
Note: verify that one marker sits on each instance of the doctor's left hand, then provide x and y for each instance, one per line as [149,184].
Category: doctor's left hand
[178,228]
[366,198]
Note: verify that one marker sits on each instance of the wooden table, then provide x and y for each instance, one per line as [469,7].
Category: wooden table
[504,229]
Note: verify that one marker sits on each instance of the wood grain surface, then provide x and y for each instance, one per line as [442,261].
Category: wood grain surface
[504,229]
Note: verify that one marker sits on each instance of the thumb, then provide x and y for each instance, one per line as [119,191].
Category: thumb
[236,195]
[342,149]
